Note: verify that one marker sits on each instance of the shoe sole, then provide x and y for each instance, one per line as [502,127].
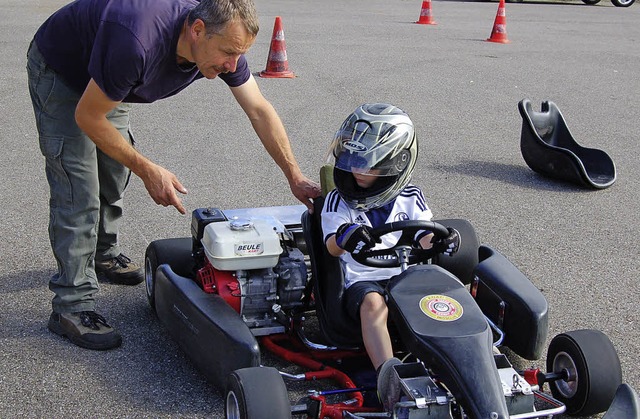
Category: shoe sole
[57,329]
[386,387]
[132,280]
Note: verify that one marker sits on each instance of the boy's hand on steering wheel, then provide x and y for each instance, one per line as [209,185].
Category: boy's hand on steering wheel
[448,245]
[355,237]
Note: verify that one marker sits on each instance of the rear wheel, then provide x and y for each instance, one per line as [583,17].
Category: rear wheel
[591,367]
[591,2]
[256,393]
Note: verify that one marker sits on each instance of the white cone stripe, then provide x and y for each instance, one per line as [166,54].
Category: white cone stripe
[278,56]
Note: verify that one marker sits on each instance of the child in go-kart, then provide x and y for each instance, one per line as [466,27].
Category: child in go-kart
[374,153]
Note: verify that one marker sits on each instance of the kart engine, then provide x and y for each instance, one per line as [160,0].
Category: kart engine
[252,264]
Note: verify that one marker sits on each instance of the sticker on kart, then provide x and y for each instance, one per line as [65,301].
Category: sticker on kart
[441,308]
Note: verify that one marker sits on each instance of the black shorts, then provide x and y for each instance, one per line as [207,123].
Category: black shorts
[354,295]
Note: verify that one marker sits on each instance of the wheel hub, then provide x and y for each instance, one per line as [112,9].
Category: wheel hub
[564,363]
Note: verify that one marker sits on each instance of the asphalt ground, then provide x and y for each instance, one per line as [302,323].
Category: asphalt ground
[579,246]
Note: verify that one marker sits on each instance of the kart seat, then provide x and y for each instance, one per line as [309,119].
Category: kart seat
[337,327]
[549,149]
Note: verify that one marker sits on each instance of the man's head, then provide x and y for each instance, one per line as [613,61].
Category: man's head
[374,153]
[215,14]
[218,33]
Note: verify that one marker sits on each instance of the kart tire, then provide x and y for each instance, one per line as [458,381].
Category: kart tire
[175,252]
[150,267]
[622,3]
[591,2]
[593,368]
[256,393]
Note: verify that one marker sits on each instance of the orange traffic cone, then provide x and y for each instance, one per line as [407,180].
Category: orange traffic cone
[277,64]
[499,32]
[426,17]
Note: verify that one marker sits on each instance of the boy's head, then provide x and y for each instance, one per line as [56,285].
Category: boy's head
[374,153]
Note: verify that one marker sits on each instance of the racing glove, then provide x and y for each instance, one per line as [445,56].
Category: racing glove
[355,237]
[448,245]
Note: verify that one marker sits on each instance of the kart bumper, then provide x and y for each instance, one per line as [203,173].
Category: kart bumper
[626,404]
[207,329]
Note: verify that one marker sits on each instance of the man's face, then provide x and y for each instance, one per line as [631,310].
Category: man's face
[219,53]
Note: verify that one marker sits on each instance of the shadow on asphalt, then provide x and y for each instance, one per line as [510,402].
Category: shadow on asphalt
[509,173]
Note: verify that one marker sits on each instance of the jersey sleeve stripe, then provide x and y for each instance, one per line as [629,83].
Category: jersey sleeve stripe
[333,199]
[416,193]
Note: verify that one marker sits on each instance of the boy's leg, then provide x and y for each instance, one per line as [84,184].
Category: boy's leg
[365,302]
[375,334]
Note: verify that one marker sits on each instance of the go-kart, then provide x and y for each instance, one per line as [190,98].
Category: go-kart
[255,279]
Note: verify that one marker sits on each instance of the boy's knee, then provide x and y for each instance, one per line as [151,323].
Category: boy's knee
[373,303]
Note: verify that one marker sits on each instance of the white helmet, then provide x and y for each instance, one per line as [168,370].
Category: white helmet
[375,136]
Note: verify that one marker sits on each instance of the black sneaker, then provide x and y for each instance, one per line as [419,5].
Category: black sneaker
[86,329]
[389,390]
[120,270]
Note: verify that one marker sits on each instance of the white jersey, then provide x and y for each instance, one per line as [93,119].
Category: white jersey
[409,205]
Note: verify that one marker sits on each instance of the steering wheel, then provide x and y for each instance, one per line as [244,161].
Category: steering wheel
[403,252]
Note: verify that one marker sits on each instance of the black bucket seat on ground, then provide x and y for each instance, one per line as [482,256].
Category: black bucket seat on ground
[549,149]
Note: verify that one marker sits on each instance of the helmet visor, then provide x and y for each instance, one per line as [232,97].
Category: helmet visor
[368,155]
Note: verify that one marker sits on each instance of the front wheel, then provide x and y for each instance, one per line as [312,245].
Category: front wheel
[256,393]
[174,252]
[591,2]
[150,267]
[591,367]
[622,3]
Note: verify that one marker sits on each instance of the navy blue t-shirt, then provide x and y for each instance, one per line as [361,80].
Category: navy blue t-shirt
[128,47]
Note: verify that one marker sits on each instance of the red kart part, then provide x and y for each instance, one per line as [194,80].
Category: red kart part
[223,283]
[310,359]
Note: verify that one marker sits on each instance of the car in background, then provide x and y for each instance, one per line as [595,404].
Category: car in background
[617,3]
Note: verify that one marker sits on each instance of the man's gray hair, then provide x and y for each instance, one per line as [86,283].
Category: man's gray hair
[217,13]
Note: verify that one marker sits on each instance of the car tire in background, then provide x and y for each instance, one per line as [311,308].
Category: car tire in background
[622,3]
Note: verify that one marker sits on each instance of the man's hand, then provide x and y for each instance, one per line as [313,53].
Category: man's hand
[355,237]
[305,190]
[90,115]
[448,245]
[268,126]
[162,186]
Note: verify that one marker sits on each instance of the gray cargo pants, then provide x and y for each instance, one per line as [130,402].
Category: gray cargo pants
[86,187]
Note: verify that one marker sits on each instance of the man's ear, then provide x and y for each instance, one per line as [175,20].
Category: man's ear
[197,29]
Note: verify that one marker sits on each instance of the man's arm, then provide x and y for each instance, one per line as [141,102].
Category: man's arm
[270,130]
[90,115]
